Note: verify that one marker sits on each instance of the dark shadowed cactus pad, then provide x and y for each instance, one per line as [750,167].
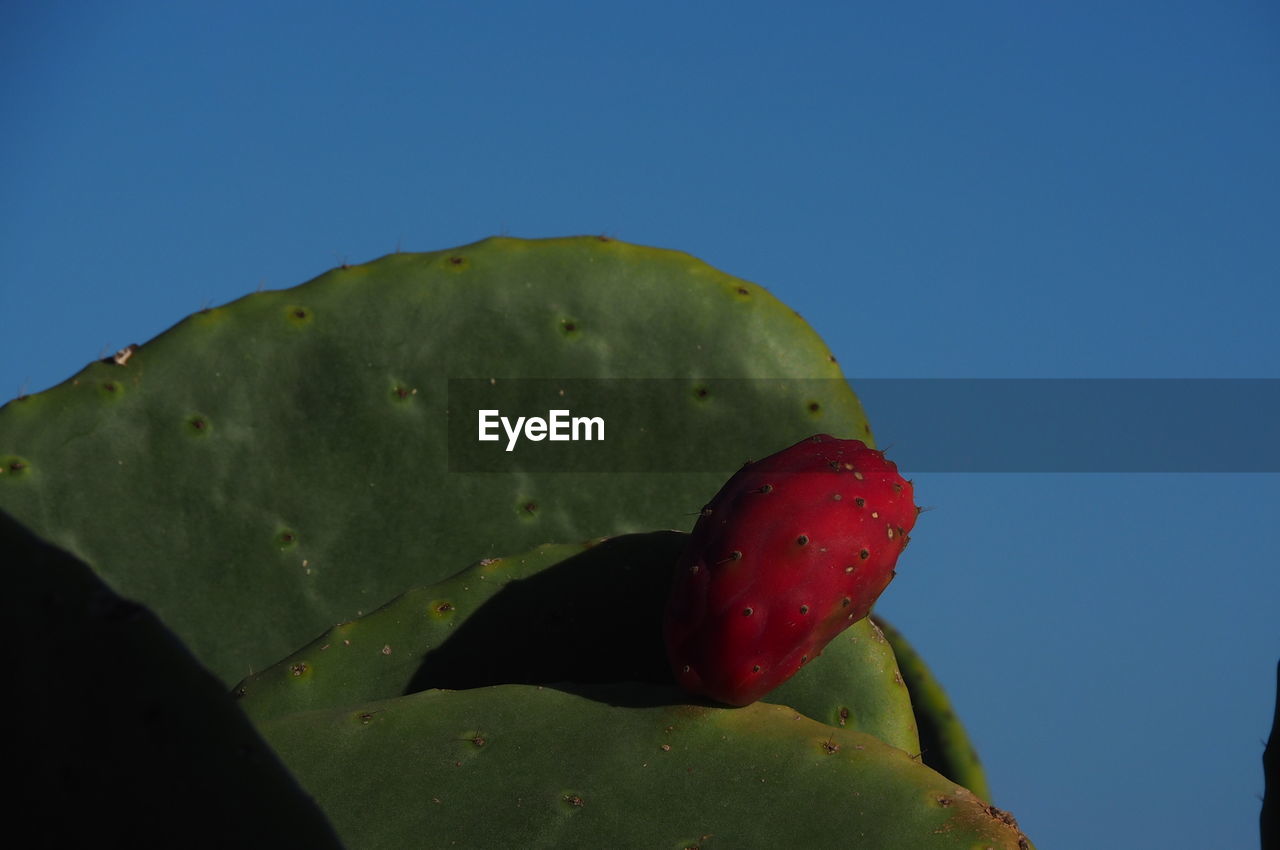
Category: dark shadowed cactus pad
[122,739]
[267,468]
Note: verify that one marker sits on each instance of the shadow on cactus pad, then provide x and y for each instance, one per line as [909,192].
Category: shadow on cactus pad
[563,615]
[123,738]
[594,617]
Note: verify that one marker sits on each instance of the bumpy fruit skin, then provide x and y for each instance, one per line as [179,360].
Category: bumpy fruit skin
[791,551]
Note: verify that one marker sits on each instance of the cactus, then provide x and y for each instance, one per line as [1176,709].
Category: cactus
[298,458]
[586,613]
[528,766]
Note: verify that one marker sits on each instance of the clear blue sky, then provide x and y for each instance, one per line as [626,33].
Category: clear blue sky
[1004,189]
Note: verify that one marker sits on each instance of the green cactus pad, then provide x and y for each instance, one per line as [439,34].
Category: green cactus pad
[284,462]
[112,716]
[558,613]
[855,684]
[944,743]
[532,767]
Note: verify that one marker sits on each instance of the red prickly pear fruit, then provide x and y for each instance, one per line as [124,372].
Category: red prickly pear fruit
[792,550]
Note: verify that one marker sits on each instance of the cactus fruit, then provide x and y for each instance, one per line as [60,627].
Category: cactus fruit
[791,551]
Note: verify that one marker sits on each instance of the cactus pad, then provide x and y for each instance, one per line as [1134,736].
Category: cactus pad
[283,462]
[527,766]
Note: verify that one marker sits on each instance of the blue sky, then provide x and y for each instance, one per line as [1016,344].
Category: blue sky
[944,190]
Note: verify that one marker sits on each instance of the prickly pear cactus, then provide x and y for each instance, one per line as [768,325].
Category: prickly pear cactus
[306,457]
